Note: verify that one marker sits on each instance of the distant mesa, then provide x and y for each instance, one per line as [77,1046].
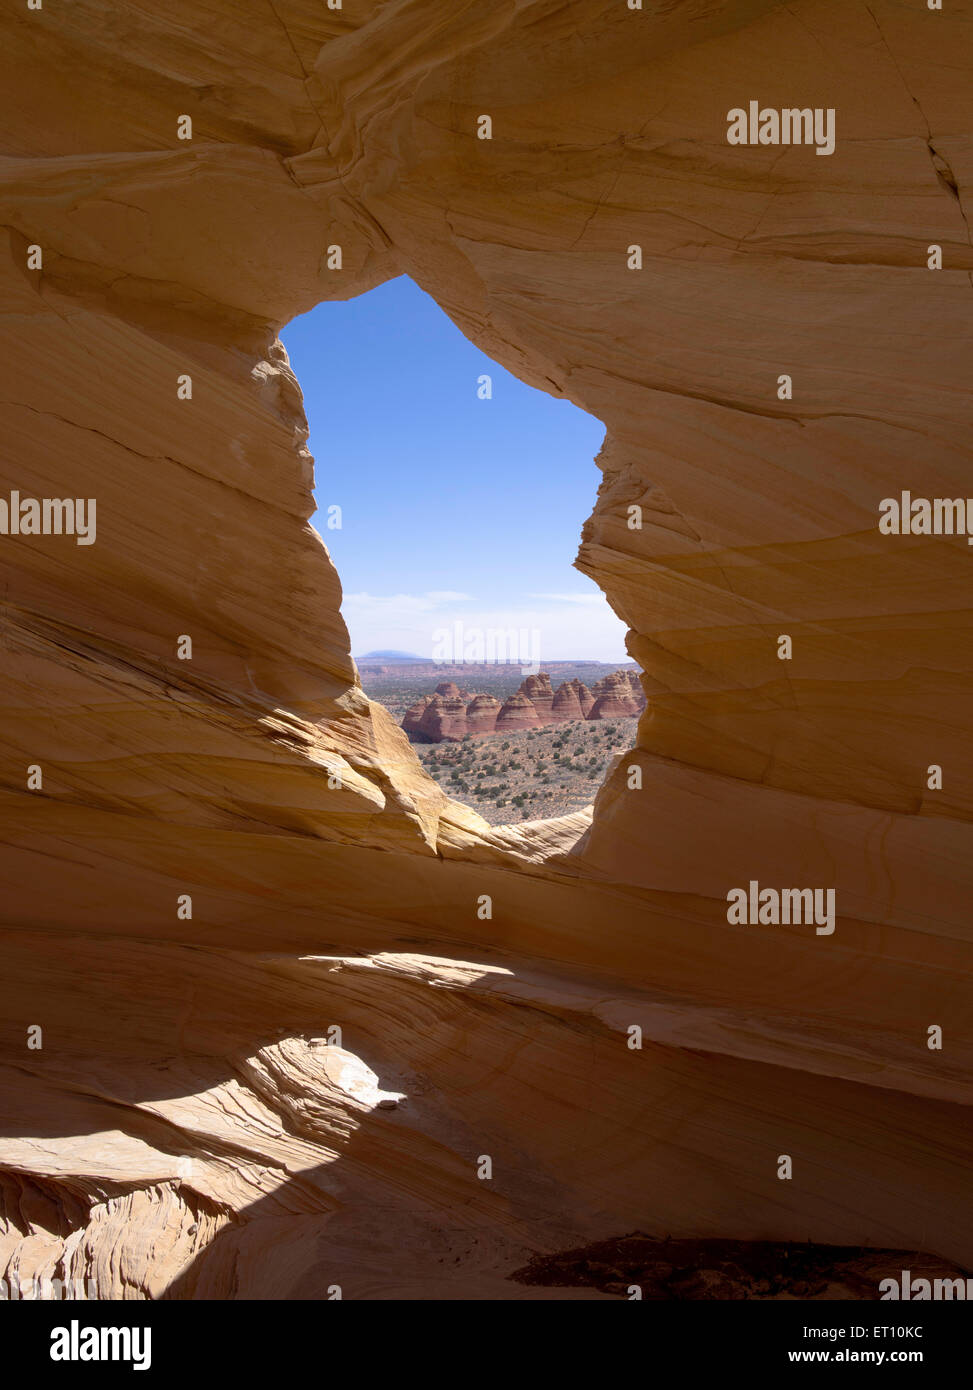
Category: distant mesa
[453,713]
[391,658]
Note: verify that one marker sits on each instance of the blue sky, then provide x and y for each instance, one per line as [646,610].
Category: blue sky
[452,507]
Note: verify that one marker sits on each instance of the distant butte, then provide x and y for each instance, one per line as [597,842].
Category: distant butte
[451,713]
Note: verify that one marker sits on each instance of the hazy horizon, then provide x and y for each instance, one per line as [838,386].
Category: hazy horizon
[380,654]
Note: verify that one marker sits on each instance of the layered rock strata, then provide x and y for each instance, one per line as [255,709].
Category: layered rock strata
[539,692]
[446,717]
[618,696]
[228,856]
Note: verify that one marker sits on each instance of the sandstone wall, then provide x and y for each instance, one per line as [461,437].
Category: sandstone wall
[182,1129]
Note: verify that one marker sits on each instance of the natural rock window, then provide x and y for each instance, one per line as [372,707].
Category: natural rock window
[451,497]
[280,1016]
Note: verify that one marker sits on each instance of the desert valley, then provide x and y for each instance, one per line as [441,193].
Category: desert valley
[514,749]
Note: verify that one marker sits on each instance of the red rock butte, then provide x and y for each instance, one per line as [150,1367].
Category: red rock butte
[452,714]
[233,860]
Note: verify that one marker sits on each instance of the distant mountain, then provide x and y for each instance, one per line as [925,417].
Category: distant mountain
[389,657]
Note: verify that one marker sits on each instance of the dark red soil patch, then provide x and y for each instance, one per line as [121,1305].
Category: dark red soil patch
[729,1269]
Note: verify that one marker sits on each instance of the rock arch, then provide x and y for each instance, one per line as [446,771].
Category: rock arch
[161,258]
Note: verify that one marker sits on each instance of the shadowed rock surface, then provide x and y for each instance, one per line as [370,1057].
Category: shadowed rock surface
[728,1269]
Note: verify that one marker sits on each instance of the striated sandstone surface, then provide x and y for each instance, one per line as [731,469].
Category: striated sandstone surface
[451,691]
[518,712]
[444,718]
[567,701]
[539,692]
[412,719]
[481,714]
[615,696]
[184,1131]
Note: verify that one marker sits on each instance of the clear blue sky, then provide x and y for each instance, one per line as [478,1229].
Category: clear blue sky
[452,507]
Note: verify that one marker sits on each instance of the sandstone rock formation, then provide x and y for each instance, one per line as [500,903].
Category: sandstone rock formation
[451,714]
[438,717]
[567,703]
[539,693]
[616,696]
[518,712]
[451,691]
[481,715]
[444,718]
[412,719]
[229,855]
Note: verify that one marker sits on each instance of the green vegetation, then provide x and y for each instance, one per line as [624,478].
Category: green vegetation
[530,775]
